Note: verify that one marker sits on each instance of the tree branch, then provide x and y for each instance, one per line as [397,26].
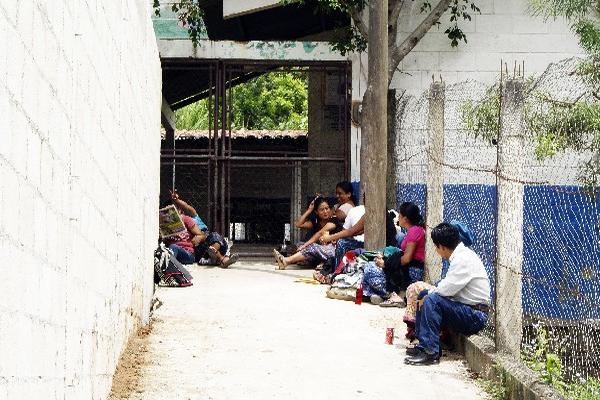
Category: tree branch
[361,25]
[395,7]
[397,53]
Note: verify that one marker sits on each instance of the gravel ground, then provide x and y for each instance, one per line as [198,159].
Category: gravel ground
[251,332]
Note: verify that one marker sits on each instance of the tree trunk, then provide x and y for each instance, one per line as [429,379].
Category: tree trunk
[391,181]
[374,128]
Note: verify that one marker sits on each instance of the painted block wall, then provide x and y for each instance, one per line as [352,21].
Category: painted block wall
[504,30]
[560,224]
[80,87]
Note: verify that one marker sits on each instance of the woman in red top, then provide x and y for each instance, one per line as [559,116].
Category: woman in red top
[410,268]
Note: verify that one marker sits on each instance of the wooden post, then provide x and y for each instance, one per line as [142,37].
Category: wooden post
[435,176]
[374,128]
[509,262]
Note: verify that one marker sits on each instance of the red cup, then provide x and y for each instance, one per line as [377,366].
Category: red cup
[389,336]
[359,294]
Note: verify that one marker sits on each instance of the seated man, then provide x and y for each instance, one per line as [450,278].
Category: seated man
[459,302]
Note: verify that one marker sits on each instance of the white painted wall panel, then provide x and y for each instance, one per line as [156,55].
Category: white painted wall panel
[80,93]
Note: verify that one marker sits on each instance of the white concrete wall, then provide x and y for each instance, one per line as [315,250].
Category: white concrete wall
[503,31]
[80,88]
[234,8]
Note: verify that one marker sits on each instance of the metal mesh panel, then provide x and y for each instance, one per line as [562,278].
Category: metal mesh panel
[536,228]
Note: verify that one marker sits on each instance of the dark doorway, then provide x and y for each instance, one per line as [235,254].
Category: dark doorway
[252,185]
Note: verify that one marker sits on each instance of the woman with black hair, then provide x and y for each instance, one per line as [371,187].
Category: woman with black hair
[319,221]
[344,193]
[408,266]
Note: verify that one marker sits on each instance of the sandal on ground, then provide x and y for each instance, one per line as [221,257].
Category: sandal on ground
[227,261]
[394,301]
[279,257]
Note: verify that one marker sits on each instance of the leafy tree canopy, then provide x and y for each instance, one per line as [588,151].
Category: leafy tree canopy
[274,101]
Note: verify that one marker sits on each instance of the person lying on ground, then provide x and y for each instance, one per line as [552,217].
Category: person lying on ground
[344,193]
[460,301]
[311,252]
[205,243]
[409,266]
[216,247]
[352,237]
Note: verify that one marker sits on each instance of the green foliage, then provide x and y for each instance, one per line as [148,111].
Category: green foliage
[554,126]
[496,389]
[189,13]
[589,390]
[276,101]
[483,118]
[538,356]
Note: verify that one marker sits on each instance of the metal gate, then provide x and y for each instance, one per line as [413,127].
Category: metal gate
[252,189]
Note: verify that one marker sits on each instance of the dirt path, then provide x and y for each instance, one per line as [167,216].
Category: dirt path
[251,332]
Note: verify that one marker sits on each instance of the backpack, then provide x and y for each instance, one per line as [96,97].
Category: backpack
[168,271]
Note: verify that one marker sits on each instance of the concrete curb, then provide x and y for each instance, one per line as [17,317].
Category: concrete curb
[520,382]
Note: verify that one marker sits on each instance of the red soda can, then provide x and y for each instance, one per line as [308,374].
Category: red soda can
[359,294]
[389,336]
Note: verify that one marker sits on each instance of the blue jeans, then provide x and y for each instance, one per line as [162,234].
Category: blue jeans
[345,245]
[182,255]
[438,311]
[374,281]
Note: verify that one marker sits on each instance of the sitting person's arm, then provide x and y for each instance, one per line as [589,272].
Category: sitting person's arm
[303,222]
[196,235]
[407,257]
[328,227]
[354,230]
[187,209]
[458,276]
[342,211]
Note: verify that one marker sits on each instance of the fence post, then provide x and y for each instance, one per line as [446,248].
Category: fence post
[509,228]
[435,175]
[296,201]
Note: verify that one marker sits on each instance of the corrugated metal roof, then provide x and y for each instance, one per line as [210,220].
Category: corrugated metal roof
[240,134]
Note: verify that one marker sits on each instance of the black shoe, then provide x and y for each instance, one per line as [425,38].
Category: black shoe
[422,358]
[412,351]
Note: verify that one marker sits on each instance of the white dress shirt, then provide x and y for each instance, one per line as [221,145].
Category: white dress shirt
[466,281]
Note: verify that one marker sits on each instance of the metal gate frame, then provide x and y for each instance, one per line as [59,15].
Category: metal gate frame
[219,156]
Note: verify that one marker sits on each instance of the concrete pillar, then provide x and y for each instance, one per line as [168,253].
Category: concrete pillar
[435,176]
[296,201]
[392,145]
[509,263]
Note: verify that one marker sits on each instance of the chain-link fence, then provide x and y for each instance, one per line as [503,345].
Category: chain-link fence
[468,153]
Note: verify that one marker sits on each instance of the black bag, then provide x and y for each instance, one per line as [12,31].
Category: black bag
[168,271]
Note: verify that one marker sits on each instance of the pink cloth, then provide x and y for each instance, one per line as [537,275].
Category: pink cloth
[416,235]
[184,240]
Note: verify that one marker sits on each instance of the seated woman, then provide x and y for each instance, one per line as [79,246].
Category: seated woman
[344,194]
[410,266]
[352,237]
[310,252]
[182,245]
[203,241]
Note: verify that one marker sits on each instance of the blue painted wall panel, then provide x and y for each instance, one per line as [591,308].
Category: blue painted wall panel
[561,253]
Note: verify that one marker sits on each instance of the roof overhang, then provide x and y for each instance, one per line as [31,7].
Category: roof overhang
[236,8]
